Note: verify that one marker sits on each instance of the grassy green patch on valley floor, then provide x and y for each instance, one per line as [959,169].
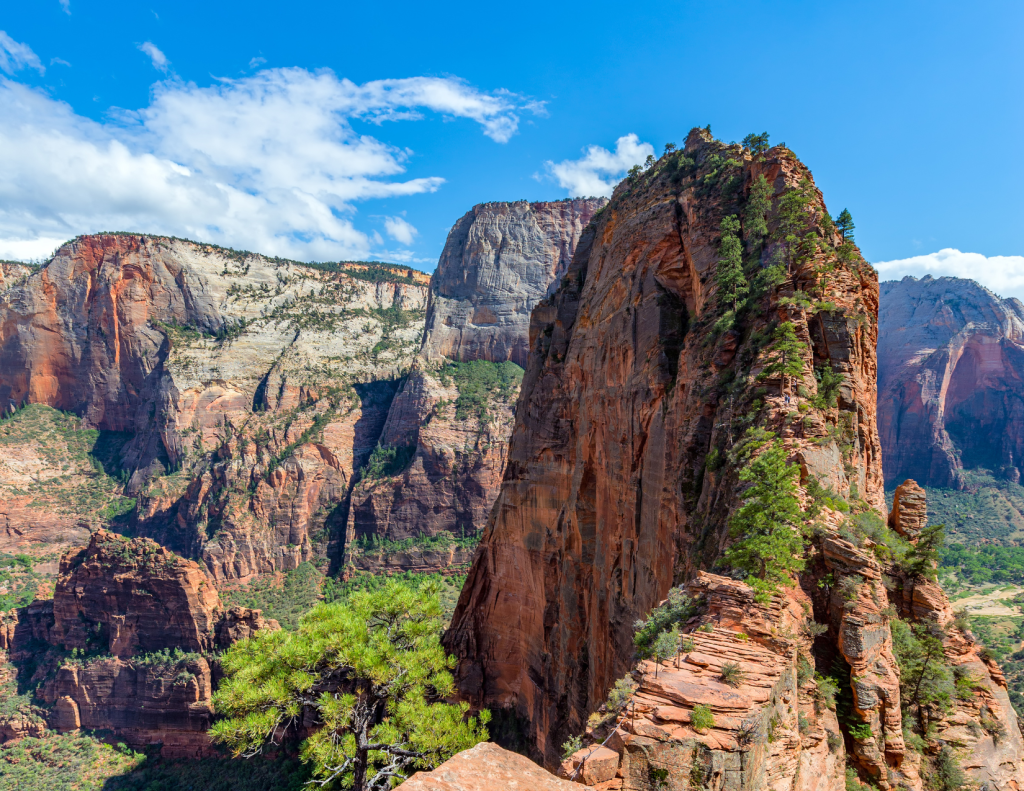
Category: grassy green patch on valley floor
[286,601]
[81,762]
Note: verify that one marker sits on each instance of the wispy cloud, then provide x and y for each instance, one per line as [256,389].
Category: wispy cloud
[66,5]
[400,230]
[1003,274]
[153,51]
[15,56]
[257,61]
[269,162]
[59,61]
[599,170]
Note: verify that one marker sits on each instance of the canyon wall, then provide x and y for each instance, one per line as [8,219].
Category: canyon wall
[127,644]
[500,259]
[608,497]
[449,424]
[247,390]
[951,381]
[645,389]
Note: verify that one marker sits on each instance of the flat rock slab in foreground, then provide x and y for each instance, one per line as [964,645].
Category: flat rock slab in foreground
[487,767]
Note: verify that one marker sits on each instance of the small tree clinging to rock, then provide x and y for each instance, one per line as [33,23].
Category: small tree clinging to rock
[768,525]
[729,274]
[373,675]
[844,225]
[785,356]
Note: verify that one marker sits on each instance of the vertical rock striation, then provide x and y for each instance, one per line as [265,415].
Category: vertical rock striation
[951,381]
[614,488]
[499,261]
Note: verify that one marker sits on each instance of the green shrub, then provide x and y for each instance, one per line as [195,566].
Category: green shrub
[701,718]
[388,460]
[479,383]
[731,674]
[678,608]
[571,747]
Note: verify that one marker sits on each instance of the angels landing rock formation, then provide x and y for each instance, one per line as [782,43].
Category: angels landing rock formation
[448,426]
[246,390]
[630,430]
[951,381]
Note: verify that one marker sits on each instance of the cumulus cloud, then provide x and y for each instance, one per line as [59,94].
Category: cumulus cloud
[15,56]
[1003,274]
[153,51]
[269,162]
[599,170]
[400,230]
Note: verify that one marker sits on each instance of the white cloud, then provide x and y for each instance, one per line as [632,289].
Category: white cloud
[269,162]
[15,56]
[66,5]
[60,61]
[1003,274]
[599,170]
[400,230]
[257,61]
[153,51]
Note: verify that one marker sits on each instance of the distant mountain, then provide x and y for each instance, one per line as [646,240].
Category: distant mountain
[950,382]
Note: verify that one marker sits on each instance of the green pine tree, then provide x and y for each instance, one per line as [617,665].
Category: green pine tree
[757,144]
[926,683]
[768,525]
[729,274]
[784,356]
[371,673]
[755,213]
[845,226]
[923,558]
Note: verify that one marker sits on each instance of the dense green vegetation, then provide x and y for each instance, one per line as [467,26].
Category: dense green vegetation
[388,460]
[387,718]
[286,601]
[18,581]
[988,509]
[81,762]
[479,382]
[448,586]
[988,563]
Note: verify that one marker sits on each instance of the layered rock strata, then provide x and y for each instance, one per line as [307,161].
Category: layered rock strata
[500,259]
[251,388]
[615,487]
[131,634]
[951,381]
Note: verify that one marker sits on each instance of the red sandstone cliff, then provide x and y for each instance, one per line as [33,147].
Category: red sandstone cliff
[951,381]
[251,388]
[620,482]
[131,631]
[500,259]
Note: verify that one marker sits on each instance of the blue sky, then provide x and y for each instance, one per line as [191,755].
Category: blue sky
[325,130]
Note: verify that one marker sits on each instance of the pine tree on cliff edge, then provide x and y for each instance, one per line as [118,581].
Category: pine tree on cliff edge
[768,525]
[732,284]
[372,677]
[784,356]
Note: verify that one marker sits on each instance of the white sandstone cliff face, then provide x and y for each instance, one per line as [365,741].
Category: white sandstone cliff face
[499,261]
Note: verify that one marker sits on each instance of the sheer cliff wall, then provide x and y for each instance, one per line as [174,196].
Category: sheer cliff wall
[616,485]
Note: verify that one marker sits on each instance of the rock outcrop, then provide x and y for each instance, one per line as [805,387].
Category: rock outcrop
[487,767]
[251,389]
[450,425]
[615,487]
[126,644]
[499,261]
[950,382]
